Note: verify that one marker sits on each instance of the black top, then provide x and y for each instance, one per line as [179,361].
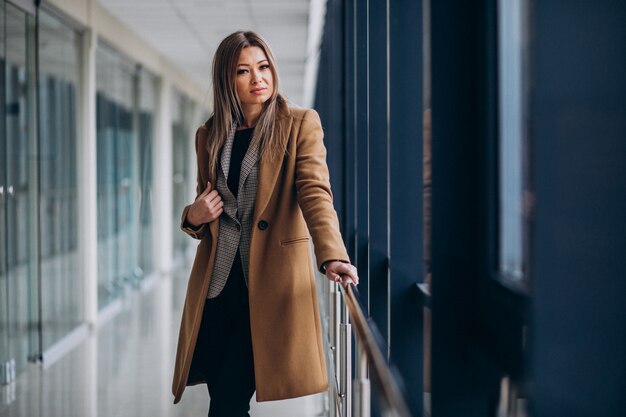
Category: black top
[240,147]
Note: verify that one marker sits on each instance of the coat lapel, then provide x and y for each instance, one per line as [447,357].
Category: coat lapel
[268,174]
[249,160]
[229,200]
[227,150]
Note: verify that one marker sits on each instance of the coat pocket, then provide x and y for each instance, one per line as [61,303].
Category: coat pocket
[293,241]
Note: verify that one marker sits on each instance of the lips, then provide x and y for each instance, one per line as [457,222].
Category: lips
[258,90]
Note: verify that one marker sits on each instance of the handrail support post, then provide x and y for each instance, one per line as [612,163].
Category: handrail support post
[345,379]
[334,307]
[361,385]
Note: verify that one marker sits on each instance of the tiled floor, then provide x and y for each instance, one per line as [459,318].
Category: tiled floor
[124,369]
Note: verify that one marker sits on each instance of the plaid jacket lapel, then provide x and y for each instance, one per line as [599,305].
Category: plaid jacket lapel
[230,203]
[249,161]
[235,225]
[227,151]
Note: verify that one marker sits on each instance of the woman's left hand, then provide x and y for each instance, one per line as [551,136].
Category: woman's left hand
[342,272]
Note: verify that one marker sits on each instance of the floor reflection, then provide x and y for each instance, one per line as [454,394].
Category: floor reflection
[125,367]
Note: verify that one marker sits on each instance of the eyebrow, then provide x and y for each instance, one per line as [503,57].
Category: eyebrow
[247,65]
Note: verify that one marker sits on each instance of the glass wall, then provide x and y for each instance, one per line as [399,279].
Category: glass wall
[19,332]
[183,128]
[147,89]
[126,99]
[42,292]
[4,318]
[427,202]
[117,173]
[62,286]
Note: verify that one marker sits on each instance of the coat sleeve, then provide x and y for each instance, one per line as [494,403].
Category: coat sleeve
[315,197]
[201,231]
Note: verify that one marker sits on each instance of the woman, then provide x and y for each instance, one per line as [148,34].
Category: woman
[251,319]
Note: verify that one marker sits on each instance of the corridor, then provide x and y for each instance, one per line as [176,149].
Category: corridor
[124,369]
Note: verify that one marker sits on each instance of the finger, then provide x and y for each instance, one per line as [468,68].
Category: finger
[215,214]
[215,200]
[203,194]
[352,274]
[332,276]
[213,208]
[335,270]
[345,268]
[211,196]
[346,280]
[206,191]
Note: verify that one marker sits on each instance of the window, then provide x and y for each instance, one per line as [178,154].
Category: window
[147,88]
[514,199]
[117,174]
[62,288]
[184,124]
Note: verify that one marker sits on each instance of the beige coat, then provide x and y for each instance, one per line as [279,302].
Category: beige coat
[294,198]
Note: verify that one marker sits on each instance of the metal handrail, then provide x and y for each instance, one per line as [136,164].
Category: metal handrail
[369,358]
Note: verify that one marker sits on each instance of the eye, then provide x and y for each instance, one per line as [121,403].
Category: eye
[265,66]
[242,71]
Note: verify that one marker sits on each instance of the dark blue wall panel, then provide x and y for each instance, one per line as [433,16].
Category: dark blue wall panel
[405,190]
[579,234]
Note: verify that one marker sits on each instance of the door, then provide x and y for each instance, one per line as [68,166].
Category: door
[19,312]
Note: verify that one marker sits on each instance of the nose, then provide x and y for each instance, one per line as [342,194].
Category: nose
[256,76]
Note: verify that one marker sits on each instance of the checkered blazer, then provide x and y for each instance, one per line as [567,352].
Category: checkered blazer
[236,221]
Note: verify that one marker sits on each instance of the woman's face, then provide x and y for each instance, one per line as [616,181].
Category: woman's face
[254,80]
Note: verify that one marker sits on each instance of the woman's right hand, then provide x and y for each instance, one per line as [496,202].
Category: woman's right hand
[207,207]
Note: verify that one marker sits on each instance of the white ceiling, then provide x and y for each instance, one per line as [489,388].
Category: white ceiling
[187,32]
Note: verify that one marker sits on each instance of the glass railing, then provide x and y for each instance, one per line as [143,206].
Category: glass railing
[366,380]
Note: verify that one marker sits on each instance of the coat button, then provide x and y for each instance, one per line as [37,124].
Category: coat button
[263,225]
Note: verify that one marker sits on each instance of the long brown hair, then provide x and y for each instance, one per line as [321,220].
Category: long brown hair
[227,111]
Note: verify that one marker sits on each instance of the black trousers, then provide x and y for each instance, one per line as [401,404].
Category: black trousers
[223,353]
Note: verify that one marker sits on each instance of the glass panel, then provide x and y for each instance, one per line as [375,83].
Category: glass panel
[146,110]
[116,173]
[427,190]
[182,111]
[62,287]
[4,282]
[19,309]
[512,48]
